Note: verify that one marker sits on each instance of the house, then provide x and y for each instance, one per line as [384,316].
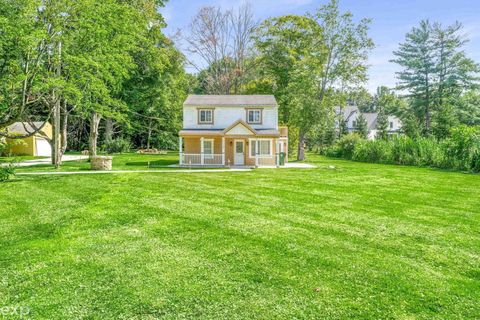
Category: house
[350,115]
[35,145]
[238,130]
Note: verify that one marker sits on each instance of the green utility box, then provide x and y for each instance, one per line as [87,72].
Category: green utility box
[281,159]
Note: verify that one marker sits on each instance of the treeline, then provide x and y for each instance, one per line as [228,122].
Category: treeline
[97,70]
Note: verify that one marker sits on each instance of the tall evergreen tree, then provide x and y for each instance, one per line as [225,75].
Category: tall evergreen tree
[382,124]
[361,126]
[436,71]
[417,57]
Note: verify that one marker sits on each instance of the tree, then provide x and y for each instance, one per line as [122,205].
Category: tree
[333,46]
[444,121]
[386,99]
[220,43]
[382,124]
[416,55]
[361,126]
[360,98]
[455,72]
[468,108]
[436,71]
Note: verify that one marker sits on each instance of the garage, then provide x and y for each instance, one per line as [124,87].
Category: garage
[42,148]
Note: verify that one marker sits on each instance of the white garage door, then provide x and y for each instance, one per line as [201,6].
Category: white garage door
[43,148]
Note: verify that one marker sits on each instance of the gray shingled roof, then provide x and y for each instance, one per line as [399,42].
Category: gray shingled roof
[231,100]
[19,127]
[348,111]
[371,120]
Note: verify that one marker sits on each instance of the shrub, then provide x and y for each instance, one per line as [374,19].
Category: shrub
[461,151]
[7,172]
[118,146]
[345,146]
[377,151]
[415,152]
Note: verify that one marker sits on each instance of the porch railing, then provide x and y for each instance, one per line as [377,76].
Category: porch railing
[195,159]
[199,159]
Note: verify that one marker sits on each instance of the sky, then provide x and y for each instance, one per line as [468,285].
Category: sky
[391,20]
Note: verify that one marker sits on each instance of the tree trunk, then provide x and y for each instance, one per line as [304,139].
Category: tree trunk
[93,137]
[301,146]
[64,131]
[56,157]
[108,130]
[149,133]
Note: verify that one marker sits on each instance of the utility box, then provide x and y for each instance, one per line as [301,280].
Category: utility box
[281,159]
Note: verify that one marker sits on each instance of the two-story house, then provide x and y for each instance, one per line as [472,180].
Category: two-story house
[232,130]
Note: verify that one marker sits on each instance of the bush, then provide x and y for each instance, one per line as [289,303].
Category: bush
[345,146]
[7,172]
[415,152]
[461,151]
[118,146]
[378,151]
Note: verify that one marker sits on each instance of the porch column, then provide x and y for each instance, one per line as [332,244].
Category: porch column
[277,153]
[223,151]
[202,156]
[180,149]
[256,153]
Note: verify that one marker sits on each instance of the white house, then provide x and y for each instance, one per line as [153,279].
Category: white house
[350,115]
[235,130]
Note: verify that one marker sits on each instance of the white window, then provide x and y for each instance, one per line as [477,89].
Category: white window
[254,116]
[205,116]
[391,125]
[208,148]
[264,147]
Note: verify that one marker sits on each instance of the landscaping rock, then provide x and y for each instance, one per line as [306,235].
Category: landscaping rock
[101,163]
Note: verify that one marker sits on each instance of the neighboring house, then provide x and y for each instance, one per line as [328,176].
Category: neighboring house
[351,113]
[239,130]
[35,145]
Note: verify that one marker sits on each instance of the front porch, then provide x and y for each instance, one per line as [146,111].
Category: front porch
[232,151]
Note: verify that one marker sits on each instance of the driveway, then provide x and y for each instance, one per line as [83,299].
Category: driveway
[35,162]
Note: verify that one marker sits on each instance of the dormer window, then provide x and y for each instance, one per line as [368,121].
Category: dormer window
[205,116]
[254,116]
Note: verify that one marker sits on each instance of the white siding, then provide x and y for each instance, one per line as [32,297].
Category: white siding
[226,116]
[239,129]
[397,124]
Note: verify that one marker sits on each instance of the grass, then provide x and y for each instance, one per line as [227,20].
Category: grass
[363,241]
[18,158]
[127,161]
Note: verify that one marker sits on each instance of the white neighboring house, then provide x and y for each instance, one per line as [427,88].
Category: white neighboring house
[351,114]
[240,130]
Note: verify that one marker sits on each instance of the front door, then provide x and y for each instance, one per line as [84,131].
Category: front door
[239,153]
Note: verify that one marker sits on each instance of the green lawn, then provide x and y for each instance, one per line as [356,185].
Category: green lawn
[127,161]
[359,241]
[18,158]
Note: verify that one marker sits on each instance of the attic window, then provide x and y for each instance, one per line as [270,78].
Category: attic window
[254,116]
[205,116]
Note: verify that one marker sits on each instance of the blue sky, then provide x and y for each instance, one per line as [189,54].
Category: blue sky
[392,19]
